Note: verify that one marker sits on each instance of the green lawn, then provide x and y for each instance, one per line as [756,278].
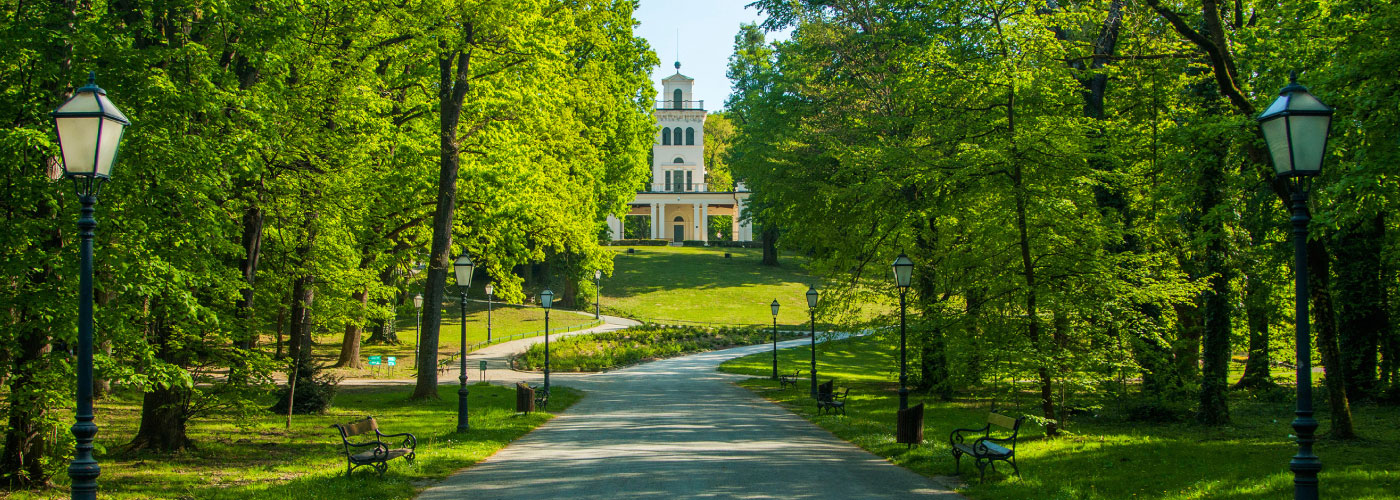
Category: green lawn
[1104,457]
[699,285]
[505,321]
[262,459]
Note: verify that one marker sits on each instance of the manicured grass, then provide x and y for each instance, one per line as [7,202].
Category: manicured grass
[1104,457]
[262,459]
[609,350]
[505,321]
[699,284]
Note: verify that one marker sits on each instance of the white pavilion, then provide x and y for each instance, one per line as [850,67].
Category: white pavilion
[679,201]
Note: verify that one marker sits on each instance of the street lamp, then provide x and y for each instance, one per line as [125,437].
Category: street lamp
[1295,127]
[774,305]
[89,130]
[418,326]
[812,310]
[547,301]
[464,268]
[903,268]
[490,291]
[597,291]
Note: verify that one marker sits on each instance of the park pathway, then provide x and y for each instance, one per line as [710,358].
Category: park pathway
[677,428]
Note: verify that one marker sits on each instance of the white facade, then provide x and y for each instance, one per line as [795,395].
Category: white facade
[679,201]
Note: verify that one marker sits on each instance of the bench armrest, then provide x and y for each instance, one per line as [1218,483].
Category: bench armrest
[957,435]
[410,442]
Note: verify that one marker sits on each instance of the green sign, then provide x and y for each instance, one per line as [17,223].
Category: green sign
[483,365]
[374,360]
[392,360]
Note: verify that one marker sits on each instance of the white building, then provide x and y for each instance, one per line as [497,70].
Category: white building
[679,201]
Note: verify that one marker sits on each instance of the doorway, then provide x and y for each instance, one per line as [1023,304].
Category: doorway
[679,230]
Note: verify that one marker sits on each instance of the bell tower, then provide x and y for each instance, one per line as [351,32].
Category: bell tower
[678,163]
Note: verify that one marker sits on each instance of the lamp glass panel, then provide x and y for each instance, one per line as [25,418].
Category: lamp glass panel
[418,300]
[463,267]
[111,109]
[1303,101]
[107,142]
[1278,106]
[547,299]
[774,305]
[811,297]
[1309,138]
[903,267]
[1276,135]
[77,138]
[490,289]
[81,102]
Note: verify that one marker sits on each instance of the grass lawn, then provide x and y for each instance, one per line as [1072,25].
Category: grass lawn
[265,460]
[505,321]
[1099,457]
[605,351]
[698,284]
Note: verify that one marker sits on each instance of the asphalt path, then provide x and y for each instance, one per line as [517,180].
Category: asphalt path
[676,428]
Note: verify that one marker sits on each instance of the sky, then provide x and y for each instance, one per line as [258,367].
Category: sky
[706,29]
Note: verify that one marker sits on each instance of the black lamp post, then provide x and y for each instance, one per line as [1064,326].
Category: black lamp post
[774,305]
[89,130]
[464,268]
[903,268]
[597,292]
[490,292]
[812,310]
[417,326]
[546,301]
[1295,127]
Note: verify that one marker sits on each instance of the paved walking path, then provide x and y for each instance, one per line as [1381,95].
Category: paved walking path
[677,428]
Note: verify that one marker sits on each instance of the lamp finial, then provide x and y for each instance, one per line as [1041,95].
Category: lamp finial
[92,78]
[1293,76]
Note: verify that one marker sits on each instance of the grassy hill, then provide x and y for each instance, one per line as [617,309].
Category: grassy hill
[700,285]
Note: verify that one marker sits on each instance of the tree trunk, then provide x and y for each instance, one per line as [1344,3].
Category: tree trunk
[1361,312]
[252,252]
[454,70]
[350,345]
[163,417]
[299,340]
[1186,351]
[770,245]
[1324,322]
[383,332]
[1215,345]
[1256,306]
[26,436]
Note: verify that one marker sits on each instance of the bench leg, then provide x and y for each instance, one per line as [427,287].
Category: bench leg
[1014,467]
[957,461]
[982,468]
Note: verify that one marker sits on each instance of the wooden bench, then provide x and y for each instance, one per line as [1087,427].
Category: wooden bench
[828,400]
[789,380]
[987,449]
[446,364]
[379,453]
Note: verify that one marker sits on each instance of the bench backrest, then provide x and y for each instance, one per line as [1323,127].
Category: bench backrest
[1012,424]
[358,427]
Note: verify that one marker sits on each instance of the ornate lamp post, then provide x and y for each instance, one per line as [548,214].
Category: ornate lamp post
[464,268]
[89,130]
[774,306]
[546,301]
[417,326]
[812,310]
[1295,127]
[597,291]
[903,268]
[490,291]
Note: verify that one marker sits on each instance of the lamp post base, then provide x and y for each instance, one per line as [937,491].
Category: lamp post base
[463,424]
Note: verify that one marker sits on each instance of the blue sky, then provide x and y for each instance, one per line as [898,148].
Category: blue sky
[707,29]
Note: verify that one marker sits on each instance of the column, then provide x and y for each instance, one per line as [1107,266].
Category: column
[653,221]
[661,221]
[696,234]
[615,227]
[738,210]
[705,222]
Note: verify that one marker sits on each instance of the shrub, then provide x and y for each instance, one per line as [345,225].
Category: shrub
[315,391]
[603,351]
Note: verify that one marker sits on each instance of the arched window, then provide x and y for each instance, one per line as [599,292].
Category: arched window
[680,219]
[676,136]
[679,104]
[689,136]
[666,136]
[679,160]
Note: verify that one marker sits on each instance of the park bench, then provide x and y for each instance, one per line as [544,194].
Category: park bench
[379,454]
[446,364]
[987,449]
[828,400]
[789,380]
